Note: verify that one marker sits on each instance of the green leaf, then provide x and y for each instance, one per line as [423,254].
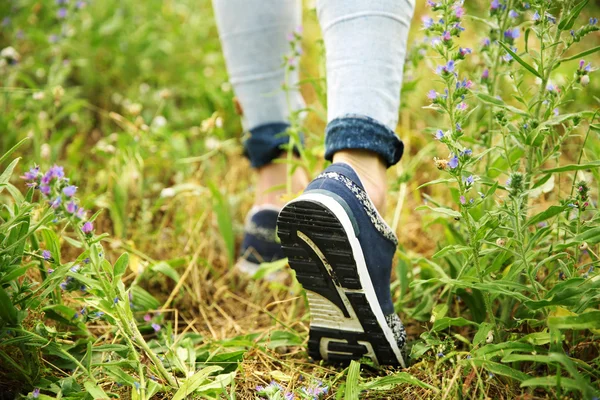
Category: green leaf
[166,269]
[486,98]
[8,312]
[12,150]
[121,265]
[520,60]
[435,182]
[446,322]
[579,56]
[110,347]
[95,391]
[221,208]
[574,167]
[589,320]
[193,382]
[389,382]
[482,333]
[352,388]
[500,369]
[551,381]
[442,210]
[568,22]
[5,177]
[546,214]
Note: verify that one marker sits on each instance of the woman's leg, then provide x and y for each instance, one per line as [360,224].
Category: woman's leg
[255,38]
[333,236]
[365,43]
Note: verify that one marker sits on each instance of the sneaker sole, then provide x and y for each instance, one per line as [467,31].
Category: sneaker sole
[346,320]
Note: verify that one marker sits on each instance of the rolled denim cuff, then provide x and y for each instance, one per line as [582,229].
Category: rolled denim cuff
[265,142]
[361,132]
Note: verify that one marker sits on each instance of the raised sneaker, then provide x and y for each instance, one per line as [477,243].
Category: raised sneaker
[342,250]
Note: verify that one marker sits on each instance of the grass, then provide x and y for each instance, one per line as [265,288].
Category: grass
[132,99]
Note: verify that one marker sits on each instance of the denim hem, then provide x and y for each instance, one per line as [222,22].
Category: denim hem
[354,131]
[265,143]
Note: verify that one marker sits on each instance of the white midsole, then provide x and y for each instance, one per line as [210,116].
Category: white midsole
[363,273]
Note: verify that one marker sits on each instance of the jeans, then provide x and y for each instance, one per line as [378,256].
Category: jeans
[365,44]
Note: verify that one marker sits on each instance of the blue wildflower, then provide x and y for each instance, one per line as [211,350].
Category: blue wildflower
[453,163]
[513,14]
[512,33]
[432,95]
[61,13]
[469,180]
[536,16]
[593,21]
[46,255]
[439,135]
[70,190]
[36,393]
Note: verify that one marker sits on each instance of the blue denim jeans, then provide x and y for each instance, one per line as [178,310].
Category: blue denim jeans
[365,44]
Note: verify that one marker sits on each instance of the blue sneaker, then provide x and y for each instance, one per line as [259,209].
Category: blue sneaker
[260,242]
[342,250]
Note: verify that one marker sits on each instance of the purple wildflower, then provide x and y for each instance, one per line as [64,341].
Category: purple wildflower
[459,11]
[461,107]
[56,171]
[71,207]
[446,36]
[513,14]
[556,112]
[49,271]
[439,135]
[81,213]
[56,202]
[526,6]
[31,174]
[147,318]
[551,18]
[512,33]
[593,21]
[448,68]
[75,268]
[485,74]
[462,201]
[431,3]
[495,4]
[70,190]
[458,127]
[80,4]
[87,228]
[36,393]
[432,95]
[427,22]
[466,153]
[453,163]
[440,354]
[464,51]
[61,13]
[156,327]
[469,180]
[116,300]
[46,255]
[5,21]
[536,16]
[550,87]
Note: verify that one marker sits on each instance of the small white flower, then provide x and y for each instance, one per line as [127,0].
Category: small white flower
[500,242]
[585,80]
[159,121]
[38,96]
[167,192]
[10,53]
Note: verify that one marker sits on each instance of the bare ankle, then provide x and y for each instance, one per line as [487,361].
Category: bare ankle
[271,183]
[371,170]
